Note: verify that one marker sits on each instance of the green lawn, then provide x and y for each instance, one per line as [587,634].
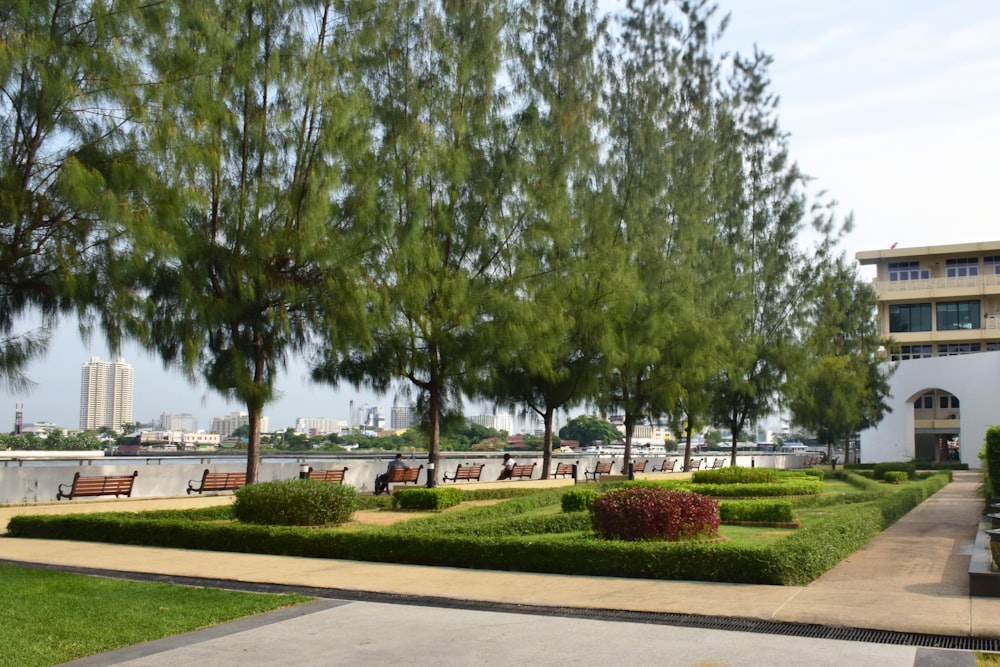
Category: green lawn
[53,617]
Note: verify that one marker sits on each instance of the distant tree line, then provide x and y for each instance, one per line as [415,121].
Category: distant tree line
[521,202]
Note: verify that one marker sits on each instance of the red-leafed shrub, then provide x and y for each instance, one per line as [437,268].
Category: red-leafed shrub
[642,513]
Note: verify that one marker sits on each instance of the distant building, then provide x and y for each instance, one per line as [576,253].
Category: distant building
[200,439]
[503,421]
[369,419]
[105,394]
[178,421]
[320,426]
[224,426]
[403,417]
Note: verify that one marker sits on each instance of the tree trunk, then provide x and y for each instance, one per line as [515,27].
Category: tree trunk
[547,442]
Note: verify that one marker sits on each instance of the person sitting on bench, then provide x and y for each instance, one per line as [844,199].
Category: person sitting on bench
[508,467]
[382,481]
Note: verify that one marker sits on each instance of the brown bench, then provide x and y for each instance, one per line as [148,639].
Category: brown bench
[522,471]
[98,485]
[335,475]
[468,472]
[603,468]
[217,481]
[638,467]
[666,466]
[695,464]
[564,469]
[403,475]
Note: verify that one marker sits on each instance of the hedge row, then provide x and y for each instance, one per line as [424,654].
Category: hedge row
[795,560]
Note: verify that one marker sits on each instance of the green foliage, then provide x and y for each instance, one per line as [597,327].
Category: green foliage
[643,513]
[771,511]
[437,498]
[578,500]
[735,475]
[492,537]
[790,487]
[54,621]
[895,476]
[295,502]
[991,458]
[908,467]
[588,430]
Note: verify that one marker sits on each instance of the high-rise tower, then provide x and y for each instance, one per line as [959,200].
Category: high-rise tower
[105,394]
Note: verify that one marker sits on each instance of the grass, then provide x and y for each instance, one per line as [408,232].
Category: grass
[54,617]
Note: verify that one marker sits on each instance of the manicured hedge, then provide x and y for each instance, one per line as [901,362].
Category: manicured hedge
[794,560]
[770,511]
[438,498]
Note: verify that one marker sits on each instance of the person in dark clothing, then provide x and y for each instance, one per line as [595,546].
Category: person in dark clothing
[382,481]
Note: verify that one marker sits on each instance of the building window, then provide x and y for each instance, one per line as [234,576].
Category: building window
[991,264]
[992,346]
[948,402]
[951,349]
[907,271]
[962,267]
[909,317]
[906,352]
[925,402]
[958,315]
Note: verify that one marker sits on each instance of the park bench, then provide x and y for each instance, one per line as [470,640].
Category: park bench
[564,469]
[98,485]
[522,471]
[403,476]
[468,472]
[638,467]
[666,466]
[602,468]
[695,464]
[335,475]
[217,481]
[718,463]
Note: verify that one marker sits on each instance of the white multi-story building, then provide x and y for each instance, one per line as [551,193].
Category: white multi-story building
[502,421]
[183,422]
[941,307]
[403,416]
[229,423]
[368,418]
[105,394]
[320,426]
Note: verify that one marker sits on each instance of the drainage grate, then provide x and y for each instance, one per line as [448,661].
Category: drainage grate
[726,623]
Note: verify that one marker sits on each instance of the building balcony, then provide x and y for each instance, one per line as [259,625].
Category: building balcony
[938,287]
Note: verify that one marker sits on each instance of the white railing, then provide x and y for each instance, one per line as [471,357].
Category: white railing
[966,282]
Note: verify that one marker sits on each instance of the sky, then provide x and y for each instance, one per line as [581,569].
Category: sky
[892,108]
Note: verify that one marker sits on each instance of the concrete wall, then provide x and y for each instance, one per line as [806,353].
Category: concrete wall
[970,377]
[34,480]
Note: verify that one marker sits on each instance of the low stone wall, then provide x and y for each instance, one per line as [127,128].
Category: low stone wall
[37,480]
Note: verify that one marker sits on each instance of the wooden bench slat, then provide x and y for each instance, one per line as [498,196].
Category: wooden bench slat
[217,481]
[602,468]
[563,469]
[522,470]
[98,485]
[466,472]
[334,475]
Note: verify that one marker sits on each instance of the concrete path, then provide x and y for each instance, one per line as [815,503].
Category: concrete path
[912,578]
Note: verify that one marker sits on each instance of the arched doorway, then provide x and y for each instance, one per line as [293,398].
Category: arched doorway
[937,425]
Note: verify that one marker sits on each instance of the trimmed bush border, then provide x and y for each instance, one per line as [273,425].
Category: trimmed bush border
[793,560]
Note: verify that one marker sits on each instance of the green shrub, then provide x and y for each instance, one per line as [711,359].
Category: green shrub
[437,498]
[791,487]
[991,457]
[735,475]
[766,511]
[640,513]
[578,500]
[295,502]
[909,467]
[895,476]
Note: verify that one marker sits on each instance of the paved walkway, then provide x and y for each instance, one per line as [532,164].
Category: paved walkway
[912,578]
